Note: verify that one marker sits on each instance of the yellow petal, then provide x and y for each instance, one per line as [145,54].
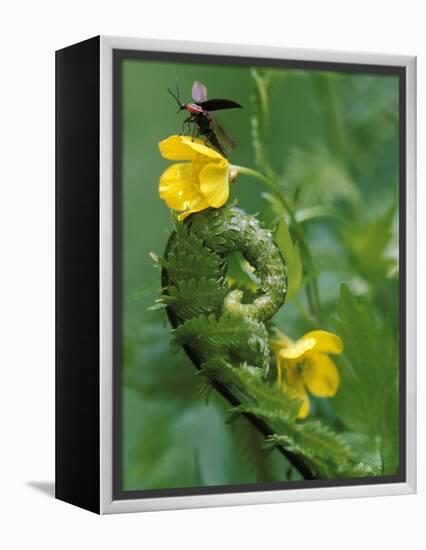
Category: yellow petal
[179,186]
[304,408]
[186,148]
[174,148]
[214,183]
[199,147]
[321,375]
[296,350]
[280,340]
[298,391]
[326,342]
[196,206]
[280,335]
[279,371]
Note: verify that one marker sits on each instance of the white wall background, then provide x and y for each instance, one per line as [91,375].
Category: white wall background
[30,32]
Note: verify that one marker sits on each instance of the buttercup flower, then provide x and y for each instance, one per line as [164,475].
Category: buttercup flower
[200,182]
[304,365]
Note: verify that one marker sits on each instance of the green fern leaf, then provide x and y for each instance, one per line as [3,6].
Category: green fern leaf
[187,265]
[192,297]
[209,336]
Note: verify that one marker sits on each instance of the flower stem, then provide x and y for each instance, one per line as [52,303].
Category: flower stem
[255,174]
[312,288]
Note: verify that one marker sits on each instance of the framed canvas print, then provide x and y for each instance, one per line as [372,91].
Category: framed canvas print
[235,274]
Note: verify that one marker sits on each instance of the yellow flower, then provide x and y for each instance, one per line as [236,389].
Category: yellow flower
[199,183]
[305,365]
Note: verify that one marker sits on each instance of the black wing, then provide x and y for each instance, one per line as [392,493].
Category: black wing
[199,92]
[219,104]
[223,138]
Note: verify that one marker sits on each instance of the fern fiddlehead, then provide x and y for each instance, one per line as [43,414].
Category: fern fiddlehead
[211,318]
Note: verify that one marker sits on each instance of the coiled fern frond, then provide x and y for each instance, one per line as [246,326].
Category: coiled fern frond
[224,330]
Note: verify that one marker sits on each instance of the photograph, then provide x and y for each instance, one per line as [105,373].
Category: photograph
[213,301]
[259,299]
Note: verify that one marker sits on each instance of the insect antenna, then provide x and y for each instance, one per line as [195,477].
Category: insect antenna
[176,96]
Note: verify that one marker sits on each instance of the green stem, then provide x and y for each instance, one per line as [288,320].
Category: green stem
[255,174]
[312,288]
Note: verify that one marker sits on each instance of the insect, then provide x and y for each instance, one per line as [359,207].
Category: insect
[202,121]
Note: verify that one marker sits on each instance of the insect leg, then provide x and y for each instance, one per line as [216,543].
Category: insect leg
[185,124]
[195,132]
[208,140]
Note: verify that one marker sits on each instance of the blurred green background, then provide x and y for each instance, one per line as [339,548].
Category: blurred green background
[333,139]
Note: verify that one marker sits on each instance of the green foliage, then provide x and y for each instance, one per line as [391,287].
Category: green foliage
[315,177]
[179,439]
[149,368]
[328,143]
[266,466]
[259,121]
[233,348]
[192,258]
[291,253]
[249,384]
[367,240]
[244,338]
[152,287]
[362,119]
[367,401]
[196,282]
[326,453]
[192,297]
[211,319]
[240,273]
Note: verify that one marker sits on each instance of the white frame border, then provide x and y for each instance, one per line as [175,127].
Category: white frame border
[107,504]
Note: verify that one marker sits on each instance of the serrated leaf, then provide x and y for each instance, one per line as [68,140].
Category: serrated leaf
[250,385]
[367,240]
[192,297]
[367,400]
[326,452]
[211,336]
